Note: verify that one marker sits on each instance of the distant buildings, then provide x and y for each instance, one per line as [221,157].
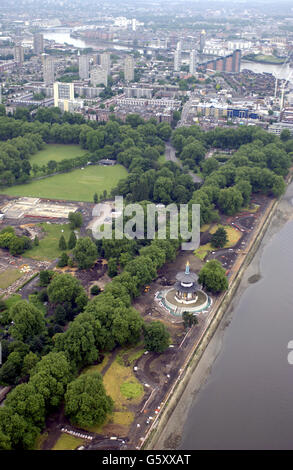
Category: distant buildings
[99,76]
[192,62]
[202,41]
[64,97]
[19,54]
[48,69]
[83,67]
[105,62]
[138,92]
[278,127]
[177,60]
[229,64]
[129,69]
[38,43]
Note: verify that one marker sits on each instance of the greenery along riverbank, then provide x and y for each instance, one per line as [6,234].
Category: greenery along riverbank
[44,352]
[264,59]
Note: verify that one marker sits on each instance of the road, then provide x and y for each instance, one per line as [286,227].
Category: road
[171,157]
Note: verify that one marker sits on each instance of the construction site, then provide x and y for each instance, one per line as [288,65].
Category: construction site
[35,207]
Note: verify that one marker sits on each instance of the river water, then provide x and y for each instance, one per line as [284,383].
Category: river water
[65,38]
[247,399]
[62,37]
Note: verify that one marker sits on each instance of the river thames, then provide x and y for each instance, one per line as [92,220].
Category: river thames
[246,401]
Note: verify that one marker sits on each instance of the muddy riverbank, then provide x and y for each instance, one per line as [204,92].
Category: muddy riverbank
[184,423]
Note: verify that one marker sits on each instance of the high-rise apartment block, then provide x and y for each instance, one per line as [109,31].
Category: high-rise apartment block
[63,95]
[38,43]
[177,60]
[105,62]
[192,62]
[129,68]
[19,54]
[84,67]
[99,76]
[202,41]
[48,69]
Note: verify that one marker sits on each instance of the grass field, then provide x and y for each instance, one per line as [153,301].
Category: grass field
[67,442]
[114,378]
[232,233]
[48,247]
[97,367]
[9,277]
[233,237]
[56,152]
[77,185]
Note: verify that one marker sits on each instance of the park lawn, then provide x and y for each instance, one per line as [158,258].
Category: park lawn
[252,208]
[97,367]
[76,185]
[205,227]
[13,299]
[202,251]
[48,248]
[232,233]
[56,152]
[121,418]
[114,378]
[129,354]
[9,277]
[40,440]
[67,442]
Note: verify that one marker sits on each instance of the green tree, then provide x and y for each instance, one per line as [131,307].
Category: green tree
[16,433]
[95,198]
[79,341]
[72,240]
[63,261]
[29,362]
[45,277]
[86,401]
[285,135]
[95,290]
[36,241]
[28,403]
[62,243]
[28,321]
[156,336]
[85,253]
[75,219]
[189,319]
[112,267]
[50,377]
[219,238]
[213,277]
[10,371]
[65,288]
[230,200]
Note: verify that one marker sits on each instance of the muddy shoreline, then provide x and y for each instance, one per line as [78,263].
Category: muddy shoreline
[170,438]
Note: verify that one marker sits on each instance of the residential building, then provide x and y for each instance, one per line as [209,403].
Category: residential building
[19,54]
[38,43]
[192,62]
[129,69]
[177,60]
[48,69]
[83,67]
[99,76]
[105,62]
[64,95]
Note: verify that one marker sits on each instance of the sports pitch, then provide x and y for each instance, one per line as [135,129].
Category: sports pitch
[76,185]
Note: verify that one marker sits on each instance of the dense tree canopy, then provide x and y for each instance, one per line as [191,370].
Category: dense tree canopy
[86,401]
[156,336]
[212,277]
